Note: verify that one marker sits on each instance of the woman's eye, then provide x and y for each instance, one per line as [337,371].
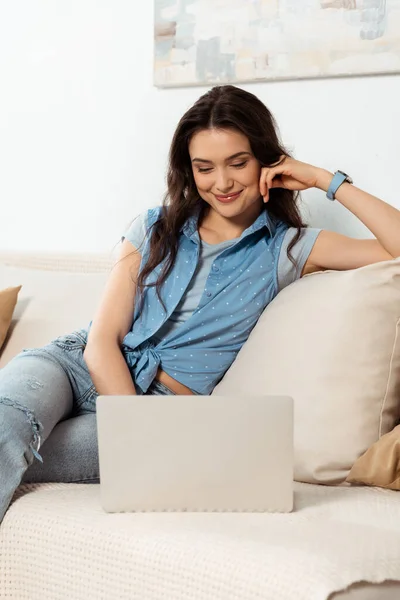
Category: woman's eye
[209,169]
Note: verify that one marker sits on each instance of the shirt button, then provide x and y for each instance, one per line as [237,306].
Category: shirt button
[215,268]
[209,294]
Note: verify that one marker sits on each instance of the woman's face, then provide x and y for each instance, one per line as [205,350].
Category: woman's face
[226,173]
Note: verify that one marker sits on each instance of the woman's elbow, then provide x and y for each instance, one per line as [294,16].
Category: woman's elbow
[100,344]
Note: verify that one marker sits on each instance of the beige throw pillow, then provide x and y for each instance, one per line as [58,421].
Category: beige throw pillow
[331,341]
[8,300]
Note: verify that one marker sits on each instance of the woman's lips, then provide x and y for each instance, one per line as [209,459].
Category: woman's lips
[228,197]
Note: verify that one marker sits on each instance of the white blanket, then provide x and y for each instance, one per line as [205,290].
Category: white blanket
[57,543]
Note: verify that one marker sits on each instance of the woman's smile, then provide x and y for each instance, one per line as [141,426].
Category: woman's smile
[228,197]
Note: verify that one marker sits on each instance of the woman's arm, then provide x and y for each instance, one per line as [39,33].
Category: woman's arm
[112,321]
[382,219]
[333,250]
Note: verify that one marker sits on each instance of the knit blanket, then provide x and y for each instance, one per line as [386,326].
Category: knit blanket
[57,543]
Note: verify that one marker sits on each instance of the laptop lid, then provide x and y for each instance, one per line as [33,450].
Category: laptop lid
[195,453]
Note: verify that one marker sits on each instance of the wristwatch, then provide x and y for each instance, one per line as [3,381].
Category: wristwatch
[337,180]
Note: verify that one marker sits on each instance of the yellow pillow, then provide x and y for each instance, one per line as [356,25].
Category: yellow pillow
[380,465]
[8,300]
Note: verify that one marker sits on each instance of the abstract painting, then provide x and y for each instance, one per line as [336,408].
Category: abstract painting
[200,42]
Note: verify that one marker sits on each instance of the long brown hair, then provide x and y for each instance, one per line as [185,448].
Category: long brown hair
[223,107]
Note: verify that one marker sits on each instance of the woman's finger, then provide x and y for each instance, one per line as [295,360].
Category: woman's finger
[270,176]
[277,182]
[263,184]
[274,173]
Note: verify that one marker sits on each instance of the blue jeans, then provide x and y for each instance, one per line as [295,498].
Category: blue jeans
[47,412]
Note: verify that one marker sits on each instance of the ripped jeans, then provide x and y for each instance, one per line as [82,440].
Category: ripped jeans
[47,391]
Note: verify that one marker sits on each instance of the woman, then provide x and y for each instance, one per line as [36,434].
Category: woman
[192,280]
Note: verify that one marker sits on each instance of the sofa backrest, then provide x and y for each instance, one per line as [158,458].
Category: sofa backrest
[59,294]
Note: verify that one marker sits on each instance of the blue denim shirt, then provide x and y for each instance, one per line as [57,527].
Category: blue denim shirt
[241,283]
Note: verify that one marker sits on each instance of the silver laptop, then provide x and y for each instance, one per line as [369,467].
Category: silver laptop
[196,453]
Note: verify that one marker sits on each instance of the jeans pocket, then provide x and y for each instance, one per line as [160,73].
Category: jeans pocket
[76,340]
[87,402]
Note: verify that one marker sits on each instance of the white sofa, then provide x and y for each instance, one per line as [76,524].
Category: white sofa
[340,543]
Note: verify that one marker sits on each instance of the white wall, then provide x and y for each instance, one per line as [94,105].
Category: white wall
[84,135]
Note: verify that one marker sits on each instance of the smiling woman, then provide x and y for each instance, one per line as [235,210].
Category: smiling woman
[220,147]
[194,275]
[226,152]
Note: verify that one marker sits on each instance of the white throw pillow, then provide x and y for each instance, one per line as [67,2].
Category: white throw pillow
[331,341]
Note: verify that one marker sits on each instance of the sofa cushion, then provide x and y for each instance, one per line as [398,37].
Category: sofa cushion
[51,302]
[8,300]
[331,341]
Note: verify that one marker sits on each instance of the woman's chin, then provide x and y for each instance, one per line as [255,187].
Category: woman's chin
[237,208]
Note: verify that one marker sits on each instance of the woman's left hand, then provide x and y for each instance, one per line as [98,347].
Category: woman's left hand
[289,174]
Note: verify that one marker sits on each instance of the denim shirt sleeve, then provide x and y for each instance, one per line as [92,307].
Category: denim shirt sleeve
[136,233]
[287,272]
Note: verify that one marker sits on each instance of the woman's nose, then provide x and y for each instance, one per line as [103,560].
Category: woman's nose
[223,183]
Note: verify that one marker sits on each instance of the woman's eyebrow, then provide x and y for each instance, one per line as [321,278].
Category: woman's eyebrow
[204,160]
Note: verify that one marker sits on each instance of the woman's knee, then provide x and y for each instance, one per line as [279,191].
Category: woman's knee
[70,453]
[35,384]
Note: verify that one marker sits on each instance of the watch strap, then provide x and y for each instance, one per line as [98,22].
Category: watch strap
[335,184]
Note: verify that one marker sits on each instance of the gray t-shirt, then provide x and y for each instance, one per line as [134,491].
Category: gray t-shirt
[287,271]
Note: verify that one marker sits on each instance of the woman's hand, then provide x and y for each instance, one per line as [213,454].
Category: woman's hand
[290,174]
